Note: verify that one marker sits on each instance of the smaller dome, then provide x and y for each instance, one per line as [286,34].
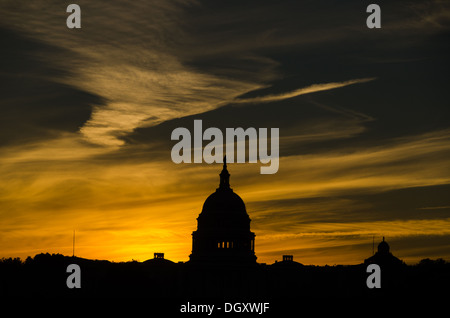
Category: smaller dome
[383,247]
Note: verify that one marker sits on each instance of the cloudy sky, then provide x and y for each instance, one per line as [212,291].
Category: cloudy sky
[87,115]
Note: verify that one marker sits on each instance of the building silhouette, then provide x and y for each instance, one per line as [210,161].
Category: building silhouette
[223,228]
[383,256]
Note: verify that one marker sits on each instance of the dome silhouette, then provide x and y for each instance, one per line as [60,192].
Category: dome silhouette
[383,247]
[223,227]
[224,201]
[384,257]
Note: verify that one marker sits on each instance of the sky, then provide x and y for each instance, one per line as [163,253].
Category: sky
[87,116]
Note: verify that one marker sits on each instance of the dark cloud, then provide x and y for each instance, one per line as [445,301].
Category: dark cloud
[35,105]
[404,58]
[418,203]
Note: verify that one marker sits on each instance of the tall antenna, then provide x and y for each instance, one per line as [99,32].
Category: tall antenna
[73,246]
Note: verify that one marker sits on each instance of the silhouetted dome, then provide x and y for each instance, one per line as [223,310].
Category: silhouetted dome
[224,210]
[224,200]
[383,257]
[383,247]
[223,228]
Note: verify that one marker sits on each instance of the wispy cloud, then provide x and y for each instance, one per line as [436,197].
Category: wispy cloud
[396,165]
[436,207]
[157,95]
[302,91]
[144,75]
[138,70]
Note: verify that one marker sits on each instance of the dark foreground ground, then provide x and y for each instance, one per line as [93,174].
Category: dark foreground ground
[45,275]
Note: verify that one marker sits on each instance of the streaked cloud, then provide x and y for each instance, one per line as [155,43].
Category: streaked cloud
[302,91]
[436,207]
[157,97]
[150,83]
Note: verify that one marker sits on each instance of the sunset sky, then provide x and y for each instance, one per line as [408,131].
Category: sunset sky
[87,116]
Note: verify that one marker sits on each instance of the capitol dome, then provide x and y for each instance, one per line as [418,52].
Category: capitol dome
[224,201]
[223,227]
